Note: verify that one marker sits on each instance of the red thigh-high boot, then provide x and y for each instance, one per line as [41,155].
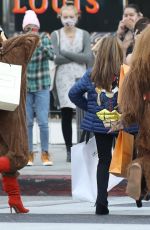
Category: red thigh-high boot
[4,164]
[11,186]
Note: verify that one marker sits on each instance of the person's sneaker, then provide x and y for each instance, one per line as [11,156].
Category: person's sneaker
[46,159]
[31,159]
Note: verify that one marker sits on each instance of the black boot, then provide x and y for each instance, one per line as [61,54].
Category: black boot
[139,202]
[101,209]
[68,154]
[144,193]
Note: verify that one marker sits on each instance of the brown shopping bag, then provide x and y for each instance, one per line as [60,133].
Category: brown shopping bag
[123,71]
[122,154]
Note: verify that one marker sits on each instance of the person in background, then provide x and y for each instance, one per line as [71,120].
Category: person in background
[13,131]
[125,31]
[101,87]
[38,84]
[73,56]
[140,25]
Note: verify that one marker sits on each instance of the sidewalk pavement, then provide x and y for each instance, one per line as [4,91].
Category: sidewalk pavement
[52,180]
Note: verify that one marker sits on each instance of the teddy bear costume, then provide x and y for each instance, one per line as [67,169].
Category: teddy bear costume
[13,131]
[135,107]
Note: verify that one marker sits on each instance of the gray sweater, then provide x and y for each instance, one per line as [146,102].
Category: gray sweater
[64,57]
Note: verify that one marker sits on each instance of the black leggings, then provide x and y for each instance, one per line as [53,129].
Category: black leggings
[66,124]
[104,144]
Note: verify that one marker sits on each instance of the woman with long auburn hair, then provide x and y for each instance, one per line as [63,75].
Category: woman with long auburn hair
[101,87]
[136,86]
[135,107]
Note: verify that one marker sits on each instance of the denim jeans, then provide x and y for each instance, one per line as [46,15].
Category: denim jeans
[38,103]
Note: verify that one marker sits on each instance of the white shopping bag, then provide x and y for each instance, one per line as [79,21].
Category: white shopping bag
[84,160]
[10,81]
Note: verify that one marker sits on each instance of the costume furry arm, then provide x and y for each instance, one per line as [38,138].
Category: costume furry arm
[134,102]
[131,100]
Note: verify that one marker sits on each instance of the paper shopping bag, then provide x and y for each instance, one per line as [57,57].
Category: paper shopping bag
[84,160]
[122,155]
[123,71]
[83,170]
[10,82]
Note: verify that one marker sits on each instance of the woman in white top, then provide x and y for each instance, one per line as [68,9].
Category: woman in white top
[73,55]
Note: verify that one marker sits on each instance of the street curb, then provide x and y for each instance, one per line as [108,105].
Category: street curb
[54,185]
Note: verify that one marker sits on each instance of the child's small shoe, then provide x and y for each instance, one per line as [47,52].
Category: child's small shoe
[101,209]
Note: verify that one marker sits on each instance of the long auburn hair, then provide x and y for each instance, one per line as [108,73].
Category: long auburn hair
[109,57]
[137,81]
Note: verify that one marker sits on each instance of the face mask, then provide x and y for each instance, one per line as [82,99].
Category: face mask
[69,22]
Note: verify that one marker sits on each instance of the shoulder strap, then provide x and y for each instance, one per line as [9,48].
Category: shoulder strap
[83,38]
[58,36]
[98,91]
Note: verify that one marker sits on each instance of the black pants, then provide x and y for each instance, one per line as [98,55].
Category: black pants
[66,124]
[104,147]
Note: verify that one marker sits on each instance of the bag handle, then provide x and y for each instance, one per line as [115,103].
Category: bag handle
[85,136]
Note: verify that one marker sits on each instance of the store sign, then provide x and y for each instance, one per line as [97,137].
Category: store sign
[91,6]
[96,15]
